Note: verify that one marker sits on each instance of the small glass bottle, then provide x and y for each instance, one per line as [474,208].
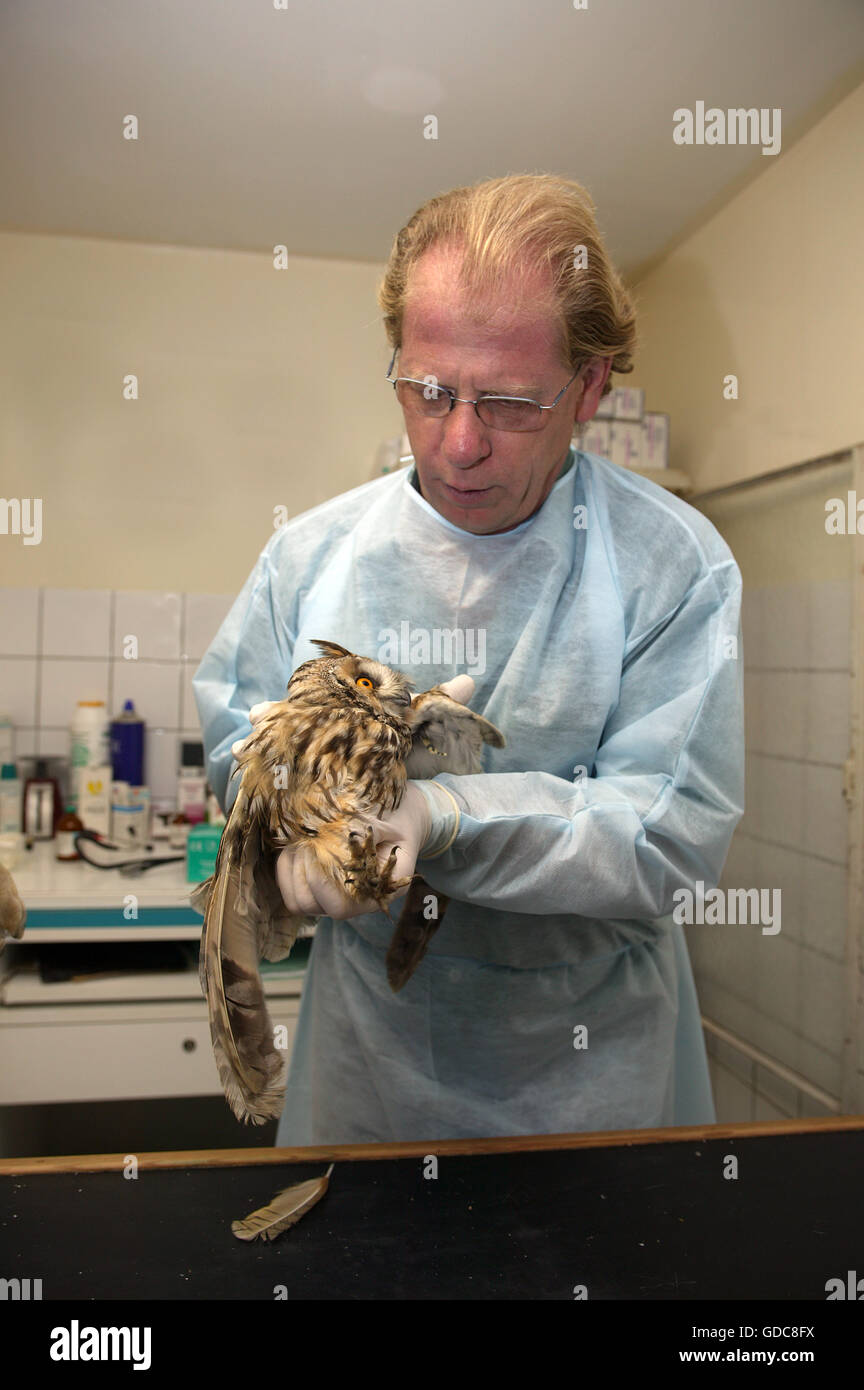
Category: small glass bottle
[178,831]
[67,827]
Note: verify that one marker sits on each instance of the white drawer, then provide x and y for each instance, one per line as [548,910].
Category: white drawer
[112,1058]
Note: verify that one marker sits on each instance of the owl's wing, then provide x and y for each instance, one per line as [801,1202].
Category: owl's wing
[447,736]
[245,919]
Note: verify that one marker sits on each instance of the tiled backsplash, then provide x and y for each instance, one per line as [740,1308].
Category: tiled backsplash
[59,646]
[784,994]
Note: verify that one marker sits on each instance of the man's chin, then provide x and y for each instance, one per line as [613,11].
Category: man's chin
[480,516]
[479,521]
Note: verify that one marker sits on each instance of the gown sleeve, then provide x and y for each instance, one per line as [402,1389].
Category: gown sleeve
[249,660]
[656,812]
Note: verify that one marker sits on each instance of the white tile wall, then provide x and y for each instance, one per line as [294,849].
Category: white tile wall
[153,619]
[20,626]
[784,994]
[824,908]
[58,646]
[18,686]
[76,623]
[63,683]
[154,686]
[203,618]
[188,707]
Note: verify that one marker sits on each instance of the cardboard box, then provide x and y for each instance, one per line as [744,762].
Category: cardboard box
[597,438]
[655,440]
[626,443]
[629,403]
[202,848]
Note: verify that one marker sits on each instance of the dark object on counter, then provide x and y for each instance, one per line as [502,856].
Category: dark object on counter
[85,959]
[127,746]
[128,867]
[43,807]
[52,766]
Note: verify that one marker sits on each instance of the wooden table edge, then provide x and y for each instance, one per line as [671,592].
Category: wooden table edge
[519,1143]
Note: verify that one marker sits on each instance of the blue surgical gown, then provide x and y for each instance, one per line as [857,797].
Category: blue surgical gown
[603,636]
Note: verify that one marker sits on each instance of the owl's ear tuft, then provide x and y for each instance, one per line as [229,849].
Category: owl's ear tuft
[331,648]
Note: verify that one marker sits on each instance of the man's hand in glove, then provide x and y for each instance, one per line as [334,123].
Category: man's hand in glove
[306,888]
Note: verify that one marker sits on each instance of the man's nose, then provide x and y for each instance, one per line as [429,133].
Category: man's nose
[466,438]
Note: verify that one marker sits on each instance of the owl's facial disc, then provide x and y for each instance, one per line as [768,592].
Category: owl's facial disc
[379,682]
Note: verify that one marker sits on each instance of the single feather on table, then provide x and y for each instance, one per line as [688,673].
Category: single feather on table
[285,1210]
[335,752]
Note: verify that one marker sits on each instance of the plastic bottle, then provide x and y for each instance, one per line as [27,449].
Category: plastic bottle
[10,800]
[89,730]
[192,782]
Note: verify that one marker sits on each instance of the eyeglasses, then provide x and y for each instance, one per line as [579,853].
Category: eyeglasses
[428,399]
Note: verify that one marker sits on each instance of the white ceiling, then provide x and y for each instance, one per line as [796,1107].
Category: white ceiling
[303,125]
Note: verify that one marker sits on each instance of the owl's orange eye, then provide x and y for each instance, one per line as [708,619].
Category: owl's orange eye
[364,682]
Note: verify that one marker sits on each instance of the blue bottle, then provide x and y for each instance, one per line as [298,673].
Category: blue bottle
[127,747]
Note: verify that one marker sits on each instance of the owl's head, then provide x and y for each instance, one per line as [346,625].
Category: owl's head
[363,680]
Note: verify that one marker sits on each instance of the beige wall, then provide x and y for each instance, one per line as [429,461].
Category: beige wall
[239,409]
[237,365]
[772,289]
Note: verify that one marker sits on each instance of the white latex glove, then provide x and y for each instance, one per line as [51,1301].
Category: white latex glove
[306,889]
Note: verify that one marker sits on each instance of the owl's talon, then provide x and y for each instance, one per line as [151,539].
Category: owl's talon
[365,875]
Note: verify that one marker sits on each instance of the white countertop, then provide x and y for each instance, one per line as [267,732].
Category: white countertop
[44,883]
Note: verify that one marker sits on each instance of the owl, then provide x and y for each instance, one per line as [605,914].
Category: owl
[12,913]
[337,750]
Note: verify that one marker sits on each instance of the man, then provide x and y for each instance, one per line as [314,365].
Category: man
[554,997]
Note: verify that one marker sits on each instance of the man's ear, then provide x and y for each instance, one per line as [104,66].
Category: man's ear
[594,378]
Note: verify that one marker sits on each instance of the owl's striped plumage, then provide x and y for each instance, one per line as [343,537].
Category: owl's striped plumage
[336,751]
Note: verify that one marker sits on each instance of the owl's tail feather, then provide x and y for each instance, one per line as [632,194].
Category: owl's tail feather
[421,916]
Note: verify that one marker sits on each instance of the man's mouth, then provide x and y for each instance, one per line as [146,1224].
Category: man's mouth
[462,494]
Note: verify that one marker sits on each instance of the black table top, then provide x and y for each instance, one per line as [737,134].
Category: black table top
[637,1221]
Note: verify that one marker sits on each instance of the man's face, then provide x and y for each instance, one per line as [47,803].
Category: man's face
[481,479]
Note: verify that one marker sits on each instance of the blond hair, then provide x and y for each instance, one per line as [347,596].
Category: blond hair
[510,226]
